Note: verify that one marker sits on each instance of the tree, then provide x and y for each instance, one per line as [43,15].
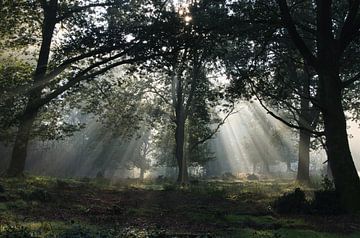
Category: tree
[332,42]
[91,46]
[186,94]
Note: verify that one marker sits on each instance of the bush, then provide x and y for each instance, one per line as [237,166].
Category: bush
[327,200]
[2,189]
[327,184]
[292,203]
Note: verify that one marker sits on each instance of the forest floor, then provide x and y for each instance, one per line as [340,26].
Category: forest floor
[50,207]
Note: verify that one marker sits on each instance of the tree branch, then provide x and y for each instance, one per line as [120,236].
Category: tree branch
[82,8]
[215,130]
[347,83]
[298,41]
[351,24]
[317,133]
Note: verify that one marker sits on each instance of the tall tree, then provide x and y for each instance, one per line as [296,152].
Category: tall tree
[88,44]
[332,42]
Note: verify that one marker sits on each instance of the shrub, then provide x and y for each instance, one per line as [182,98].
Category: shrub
[327,184]
[327,200]
[292,203]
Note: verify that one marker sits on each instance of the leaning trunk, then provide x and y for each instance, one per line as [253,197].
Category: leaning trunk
[18,159]
[346,179]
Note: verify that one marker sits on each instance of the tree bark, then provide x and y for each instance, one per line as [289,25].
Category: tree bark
[180,142]
[18,159]
[180,132]
[343,169]
[326,63]
[303,174]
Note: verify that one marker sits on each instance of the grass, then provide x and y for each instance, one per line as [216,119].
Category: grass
[50,207]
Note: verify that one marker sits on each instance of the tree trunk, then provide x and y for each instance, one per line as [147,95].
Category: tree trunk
[329,53]
[142,173]
[306,119]
[180,142]
[180,133]
[304,157]
[343,169]
[18,159]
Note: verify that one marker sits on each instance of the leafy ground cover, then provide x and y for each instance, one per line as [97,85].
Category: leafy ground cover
[50,207]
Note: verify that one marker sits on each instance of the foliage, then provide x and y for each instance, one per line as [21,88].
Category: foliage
[13,74]
[19,23]
[327,184]
[327,200]
[292,203]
